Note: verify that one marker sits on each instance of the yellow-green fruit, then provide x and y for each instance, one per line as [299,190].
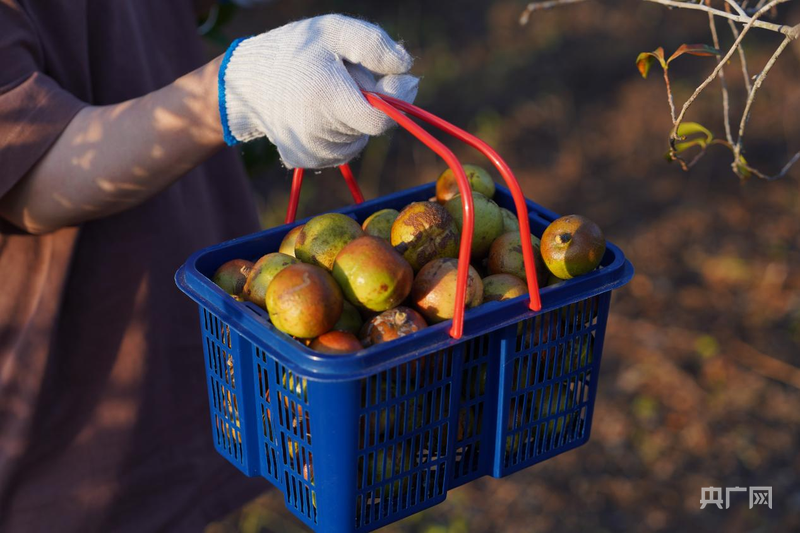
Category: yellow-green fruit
[350,320]
[479,181]
[262,274]
[232,276]
[572,246]
[323,237]
[488,222]
[505,257]
[288,242]
[498,287]
[434,290]
[510,221]
[379,224]
[304,301]
[372,274]
[336,343]
[425,231]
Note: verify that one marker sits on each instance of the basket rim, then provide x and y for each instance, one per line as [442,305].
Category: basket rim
[616,271]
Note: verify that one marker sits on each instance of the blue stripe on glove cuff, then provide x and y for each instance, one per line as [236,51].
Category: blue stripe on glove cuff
[223,107]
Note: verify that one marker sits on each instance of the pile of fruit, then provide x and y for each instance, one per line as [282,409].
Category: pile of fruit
[338,286]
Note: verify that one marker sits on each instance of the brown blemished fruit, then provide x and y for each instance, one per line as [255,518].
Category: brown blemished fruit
[262,274]
[232,276]
[379,224]
[372,274]
[323,237]
[434,290]
[572,246]
[488,222]
[510,221]
[350,320]
[498,287]
[304,301]
[425,231]
[479,181]
[505,257]
[336,343]
[392,324]
[288,242]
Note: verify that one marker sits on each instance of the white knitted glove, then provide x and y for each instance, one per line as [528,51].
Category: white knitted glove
[299,86]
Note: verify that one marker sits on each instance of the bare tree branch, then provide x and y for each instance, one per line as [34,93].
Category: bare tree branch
[536,6]
[726,109]
[736,7]
[744,19]
[742,57]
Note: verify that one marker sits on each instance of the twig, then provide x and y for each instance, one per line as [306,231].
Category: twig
[742,58]
[756,86]
[726,109]
[670,98]
[536,6]
[744,19]
[736,7]
[777,176]
[722,61]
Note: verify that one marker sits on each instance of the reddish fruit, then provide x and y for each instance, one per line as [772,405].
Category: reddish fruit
[392,324]
[572,246]
[337,343]
[304,301]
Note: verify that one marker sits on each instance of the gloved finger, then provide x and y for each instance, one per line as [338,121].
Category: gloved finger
[352,110]
[321,153]
[402,86]
[366,44]
[363,77]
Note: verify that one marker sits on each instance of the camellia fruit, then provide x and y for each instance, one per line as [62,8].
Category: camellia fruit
[288,242]
[479,181]
[323,237]
[425,231]
[488,222]
[379,224]
[572,246]
[391,325]
[304,301]
[510,221]
[498,287]
[372,274]
[232,276]
[336,343]
[262,274]
[350,320]
[505,257]
[434,290]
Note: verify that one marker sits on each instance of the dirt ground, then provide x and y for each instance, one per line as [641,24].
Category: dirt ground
[700,384]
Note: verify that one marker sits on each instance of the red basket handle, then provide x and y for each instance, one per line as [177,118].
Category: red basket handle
[394,108]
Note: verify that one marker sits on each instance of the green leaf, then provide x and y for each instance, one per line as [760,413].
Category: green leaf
[685,145]
[741,167]
[690,128]
[645,60]
[695,50]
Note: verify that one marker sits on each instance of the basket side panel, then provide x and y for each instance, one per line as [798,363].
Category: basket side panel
[229,398]
[406,430]
[548,383]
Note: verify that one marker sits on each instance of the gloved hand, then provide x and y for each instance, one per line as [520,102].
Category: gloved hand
[299,86]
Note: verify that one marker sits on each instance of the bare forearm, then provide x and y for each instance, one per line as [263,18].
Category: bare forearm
[114,157]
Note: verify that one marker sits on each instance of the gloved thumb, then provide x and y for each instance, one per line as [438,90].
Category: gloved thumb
[402,86]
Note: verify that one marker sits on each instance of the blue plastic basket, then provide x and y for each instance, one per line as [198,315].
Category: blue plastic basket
[357,442]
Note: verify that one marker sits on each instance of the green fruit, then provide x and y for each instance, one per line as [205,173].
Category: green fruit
[265,269]
[510,221]
[288,242]
[498,287]
[379,224]
[425,231]
[505,257]
[479,181]
[488,222]
[372,274]
[350,320]
[572,246]
[232,276]
[304,301]
[323,237]
[434,290]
